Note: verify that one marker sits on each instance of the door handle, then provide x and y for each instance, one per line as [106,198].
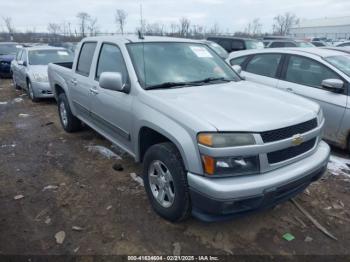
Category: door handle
[74,82]
[93,91]
[290,90]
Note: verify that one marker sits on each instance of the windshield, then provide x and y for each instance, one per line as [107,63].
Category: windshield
[160,63]
[7,49]
[340,62]
[44,57]
[304,44]
[254,44]
[218,49]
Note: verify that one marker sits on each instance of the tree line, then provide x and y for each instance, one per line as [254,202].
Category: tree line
[88,26]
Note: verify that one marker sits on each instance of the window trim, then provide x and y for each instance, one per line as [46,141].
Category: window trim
[81,49]
[285,67]
[278,69]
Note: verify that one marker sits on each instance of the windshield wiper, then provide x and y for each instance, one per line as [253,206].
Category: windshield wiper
[211,79]
[167,85]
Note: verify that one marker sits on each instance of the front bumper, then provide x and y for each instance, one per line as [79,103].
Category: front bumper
[224,198]
[42,89]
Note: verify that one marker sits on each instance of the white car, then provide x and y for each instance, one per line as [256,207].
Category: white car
[322,75]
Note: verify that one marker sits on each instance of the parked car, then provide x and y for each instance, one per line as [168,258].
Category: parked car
[320,74]
[319,43]
[340,49]
[210,143]
[30,69]
[289,43]
[343,44]
[7,54]
[217,48]
[232,44]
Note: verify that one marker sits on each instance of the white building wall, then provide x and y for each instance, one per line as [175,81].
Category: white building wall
[332,32]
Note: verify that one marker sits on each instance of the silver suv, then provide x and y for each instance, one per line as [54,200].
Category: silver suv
[211,144]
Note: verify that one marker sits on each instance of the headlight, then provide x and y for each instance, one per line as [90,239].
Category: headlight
[225,139]
[320,116]
[234,166]
[40,77]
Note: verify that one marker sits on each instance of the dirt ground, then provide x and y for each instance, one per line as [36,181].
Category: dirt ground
[111,210]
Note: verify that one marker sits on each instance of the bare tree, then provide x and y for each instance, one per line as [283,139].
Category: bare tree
[9,25]
[92,26]
[83,22]
[283,23]
[54,28]
[254,27]
[120,19]
[184,26]
[214,29]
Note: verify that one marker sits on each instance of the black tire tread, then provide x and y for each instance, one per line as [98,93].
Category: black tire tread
[74,124]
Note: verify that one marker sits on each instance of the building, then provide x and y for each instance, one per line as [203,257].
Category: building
[331,27]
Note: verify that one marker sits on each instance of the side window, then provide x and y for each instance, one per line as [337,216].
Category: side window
[238,61]
[264,64]
[85,58]
[277,44]
[111,60]
[19,55]
[289,44]
[237,45]
[24,56]
[308,72]
[226,44]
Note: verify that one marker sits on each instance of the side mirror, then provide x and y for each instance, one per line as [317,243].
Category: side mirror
[334,85]
[112,81]
[237,68]
[22,63]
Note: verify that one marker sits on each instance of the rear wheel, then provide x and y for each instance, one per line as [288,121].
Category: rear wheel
[166,182]
[69,122]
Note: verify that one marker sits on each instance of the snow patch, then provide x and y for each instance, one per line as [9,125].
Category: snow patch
[3,103]
[339,166]
[103,151]
[23,115]
[18,100]
[137,178]
[5,146]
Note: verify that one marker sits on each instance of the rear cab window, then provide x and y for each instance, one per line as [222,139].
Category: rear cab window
[238,61]
[85,58]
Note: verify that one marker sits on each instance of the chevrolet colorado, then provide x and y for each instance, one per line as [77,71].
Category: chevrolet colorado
[211,144]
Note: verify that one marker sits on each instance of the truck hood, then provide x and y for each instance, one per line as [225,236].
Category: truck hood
[238,106]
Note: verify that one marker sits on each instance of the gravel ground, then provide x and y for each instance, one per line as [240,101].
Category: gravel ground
[63,182]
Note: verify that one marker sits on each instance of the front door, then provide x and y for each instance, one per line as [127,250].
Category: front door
[110,110]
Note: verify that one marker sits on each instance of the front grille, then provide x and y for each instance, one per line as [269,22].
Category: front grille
[286,132]
[290,152]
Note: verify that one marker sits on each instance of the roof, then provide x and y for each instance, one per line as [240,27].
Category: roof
[320,52]
[136,39]
[324,22]
[43,47]
[8,43]
[230,37]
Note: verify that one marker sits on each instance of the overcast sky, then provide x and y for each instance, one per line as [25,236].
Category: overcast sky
[231,15]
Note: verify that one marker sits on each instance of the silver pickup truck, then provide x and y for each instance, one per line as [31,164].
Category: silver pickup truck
[212,144]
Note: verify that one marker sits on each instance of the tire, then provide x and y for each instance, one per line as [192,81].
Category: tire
[176,205]
[31,93]
[17,87]
[69,122]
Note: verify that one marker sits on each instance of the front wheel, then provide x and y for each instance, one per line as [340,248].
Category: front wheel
[31,92]
[165,182]
[69,122]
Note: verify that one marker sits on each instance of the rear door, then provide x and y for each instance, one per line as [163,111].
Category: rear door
[110,110]
[303,76]
[14,66]
[263,68]
[21,71]
[81,81]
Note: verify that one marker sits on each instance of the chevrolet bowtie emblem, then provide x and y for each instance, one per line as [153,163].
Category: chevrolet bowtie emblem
[297,140]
